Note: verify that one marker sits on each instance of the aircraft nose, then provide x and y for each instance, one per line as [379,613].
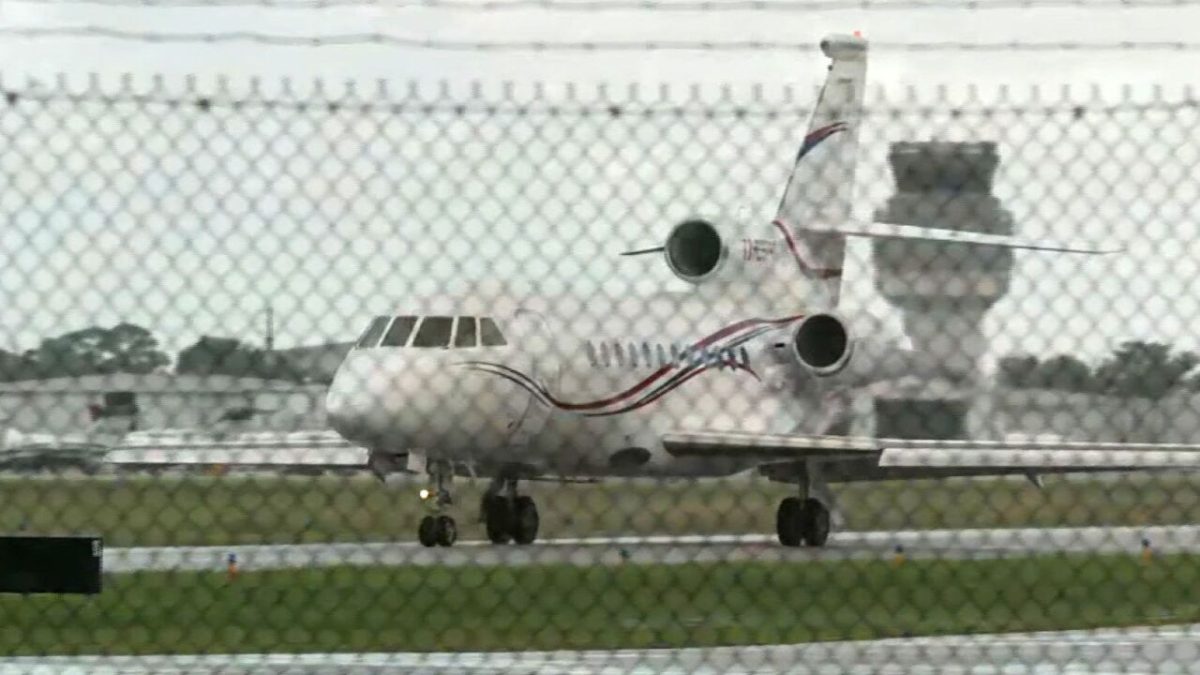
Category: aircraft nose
[344,412]
[406,400]
[353,404]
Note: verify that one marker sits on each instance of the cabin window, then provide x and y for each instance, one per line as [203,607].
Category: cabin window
[489,334]
[397,335]
[465,337]
[434,332]
[370,336]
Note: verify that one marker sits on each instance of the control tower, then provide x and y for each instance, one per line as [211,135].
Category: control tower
[943,290]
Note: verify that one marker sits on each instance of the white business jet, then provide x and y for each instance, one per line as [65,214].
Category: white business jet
[749,368]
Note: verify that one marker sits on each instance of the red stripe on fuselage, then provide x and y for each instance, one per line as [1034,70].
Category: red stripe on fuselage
[658,374]
[818,272]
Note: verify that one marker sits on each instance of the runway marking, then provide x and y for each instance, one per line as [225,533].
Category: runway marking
[588,551]
[1127,651]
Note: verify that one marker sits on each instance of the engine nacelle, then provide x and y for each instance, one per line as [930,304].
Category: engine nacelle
[697,250]
[822,344]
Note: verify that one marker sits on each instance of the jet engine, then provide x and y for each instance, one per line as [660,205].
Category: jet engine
[696,250]
[822,344]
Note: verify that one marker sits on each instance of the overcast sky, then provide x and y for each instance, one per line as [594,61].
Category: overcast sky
[341,213]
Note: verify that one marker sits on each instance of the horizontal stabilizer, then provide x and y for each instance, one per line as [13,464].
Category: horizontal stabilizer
[917,233]
[645,251]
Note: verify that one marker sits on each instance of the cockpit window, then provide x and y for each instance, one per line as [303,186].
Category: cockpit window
[465,337]
[397,335]
[434,332]
[489,334]
[371,335]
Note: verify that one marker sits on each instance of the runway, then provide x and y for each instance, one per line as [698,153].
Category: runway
[1143,650]
[939,544]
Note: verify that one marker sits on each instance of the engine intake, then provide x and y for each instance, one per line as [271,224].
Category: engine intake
[695,250]
[822,344]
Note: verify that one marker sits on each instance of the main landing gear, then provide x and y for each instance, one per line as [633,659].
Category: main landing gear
[509,516]
[802,521]
[805,519]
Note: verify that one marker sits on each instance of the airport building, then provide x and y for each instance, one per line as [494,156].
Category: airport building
[912,409]
[125,401]
[320,361]
[1174,418]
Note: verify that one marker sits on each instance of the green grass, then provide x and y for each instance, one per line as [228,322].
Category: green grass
[146,511]
[634,606]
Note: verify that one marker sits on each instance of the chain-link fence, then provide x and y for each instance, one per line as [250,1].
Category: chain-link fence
[424,376]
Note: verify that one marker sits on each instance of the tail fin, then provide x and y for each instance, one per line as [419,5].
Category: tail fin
[815,214]
[821,186]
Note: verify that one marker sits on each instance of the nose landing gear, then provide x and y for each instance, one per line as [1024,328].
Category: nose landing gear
[438,528]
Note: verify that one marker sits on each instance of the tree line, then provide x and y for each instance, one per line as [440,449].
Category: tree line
[1134,369]
[129,348]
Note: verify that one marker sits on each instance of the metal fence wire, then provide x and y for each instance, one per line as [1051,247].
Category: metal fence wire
[551,378]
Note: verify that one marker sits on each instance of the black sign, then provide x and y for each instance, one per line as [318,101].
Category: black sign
[66,564]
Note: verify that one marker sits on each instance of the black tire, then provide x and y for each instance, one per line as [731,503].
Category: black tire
[816,523]
[427,533]
[498,517]
[788,520]
[525,520]
[447,531]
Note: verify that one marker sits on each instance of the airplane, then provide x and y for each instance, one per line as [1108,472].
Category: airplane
[752,367]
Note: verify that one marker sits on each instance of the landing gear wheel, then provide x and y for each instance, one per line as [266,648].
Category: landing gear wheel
[816,523]
[525,521]
[447,531]
[427,533]
[498,518]
[788,521]
[437,531]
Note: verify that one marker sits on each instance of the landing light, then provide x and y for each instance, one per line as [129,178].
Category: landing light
[424,493]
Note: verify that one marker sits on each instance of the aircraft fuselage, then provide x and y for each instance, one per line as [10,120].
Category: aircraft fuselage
[586,397]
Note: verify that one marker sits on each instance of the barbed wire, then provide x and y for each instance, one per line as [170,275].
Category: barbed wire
[656,5]
[353,102]
[391,40]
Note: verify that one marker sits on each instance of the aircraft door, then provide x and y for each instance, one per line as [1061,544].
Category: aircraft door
[539,357]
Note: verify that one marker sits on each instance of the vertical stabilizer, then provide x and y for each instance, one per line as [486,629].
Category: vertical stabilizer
[821,186]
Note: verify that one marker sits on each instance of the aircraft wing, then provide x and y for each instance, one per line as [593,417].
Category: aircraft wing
[916,453]
[275,449]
